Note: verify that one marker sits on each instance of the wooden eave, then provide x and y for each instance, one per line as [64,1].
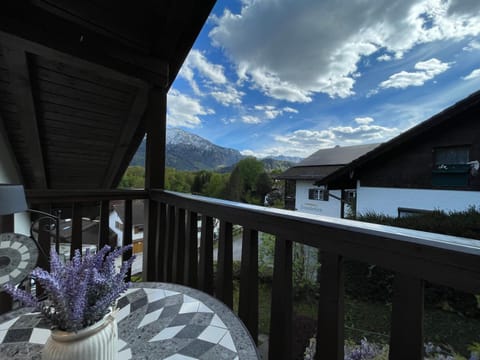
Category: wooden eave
[75,78]
[347,175]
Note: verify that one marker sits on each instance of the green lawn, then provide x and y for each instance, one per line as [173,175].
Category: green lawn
[372,320]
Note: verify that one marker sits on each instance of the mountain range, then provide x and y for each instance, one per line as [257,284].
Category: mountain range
[190,152]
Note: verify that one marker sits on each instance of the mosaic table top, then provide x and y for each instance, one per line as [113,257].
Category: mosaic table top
[155,321]
[18,257]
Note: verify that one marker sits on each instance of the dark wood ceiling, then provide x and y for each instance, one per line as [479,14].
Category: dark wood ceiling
[75,78]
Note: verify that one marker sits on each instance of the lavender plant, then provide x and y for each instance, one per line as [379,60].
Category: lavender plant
[80,291]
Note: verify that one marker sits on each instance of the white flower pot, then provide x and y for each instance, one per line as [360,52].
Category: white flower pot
[98,341]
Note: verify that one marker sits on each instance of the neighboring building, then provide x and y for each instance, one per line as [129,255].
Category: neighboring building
[301,191]
[117,220]
[434,165]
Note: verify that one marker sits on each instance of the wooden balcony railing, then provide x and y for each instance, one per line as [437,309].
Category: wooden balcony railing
[414,256]
[171,254]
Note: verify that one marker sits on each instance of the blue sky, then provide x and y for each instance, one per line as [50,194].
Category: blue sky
[288,77]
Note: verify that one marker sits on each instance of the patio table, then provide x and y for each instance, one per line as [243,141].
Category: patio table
[155,321]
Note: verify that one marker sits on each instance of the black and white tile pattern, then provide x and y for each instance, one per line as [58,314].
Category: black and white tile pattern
[167,322]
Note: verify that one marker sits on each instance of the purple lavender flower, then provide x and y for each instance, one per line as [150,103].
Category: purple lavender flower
[80,291]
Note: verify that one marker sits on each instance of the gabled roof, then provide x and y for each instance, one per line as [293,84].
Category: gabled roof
[76,79]
[324,162]
[448,115]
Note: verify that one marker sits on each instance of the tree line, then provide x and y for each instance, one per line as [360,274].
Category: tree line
[248,182]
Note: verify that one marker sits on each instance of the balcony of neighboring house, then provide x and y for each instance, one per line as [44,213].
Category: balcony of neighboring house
[81,95]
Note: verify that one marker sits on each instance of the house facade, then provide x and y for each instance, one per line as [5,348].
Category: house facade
[117,219]
[433,166]
[302,192]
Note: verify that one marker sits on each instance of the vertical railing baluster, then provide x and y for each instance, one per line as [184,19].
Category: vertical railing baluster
[170,243]
[104,232]
[330,331]
[179,247]
[127,233]
[205,272]
[77,225]
[280,341]
[406,336]
[162,242]
[191,250]
[224,288]
[150,239]
[248,302]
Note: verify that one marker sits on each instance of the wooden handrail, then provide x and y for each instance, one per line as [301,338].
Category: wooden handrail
[414,256]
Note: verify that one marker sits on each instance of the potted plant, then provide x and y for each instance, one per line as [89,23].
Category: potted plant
[78,301]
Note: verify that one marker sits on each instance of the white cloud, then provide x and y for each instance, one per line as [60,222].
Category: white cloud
[287,49]
[228,95]
[184,111]
[214,80]
[473,75]
[212,72]
[384,57]
[426,70]
[472,46]
[304,142]
[363,120]
[249,119]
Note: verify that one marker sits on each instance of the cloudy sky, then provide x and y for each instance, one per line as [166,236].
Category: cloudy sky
[288,77]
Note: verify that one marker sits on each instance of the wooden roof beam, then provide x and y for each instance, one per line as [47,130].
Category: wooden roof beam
[66,42]
[21,88]
[125,140]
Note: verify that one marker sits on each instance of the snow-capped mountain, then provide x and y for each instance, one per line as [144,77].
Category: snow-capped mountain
[190,152]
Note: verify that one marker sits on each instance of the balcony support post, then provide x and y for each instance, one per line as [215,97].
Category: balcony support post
[330,333]
[248,302]
[280,342]
[224,288]
[205,271]
[155,121]
[406,337]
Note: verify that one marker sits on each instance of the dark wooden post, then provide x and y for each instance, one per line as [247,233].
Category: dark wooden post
[161,242]
[191,251]
[205,271]
[330,335]
[280,341]
[248,302]
[127,233]
[179,247]
[155,121]
[77,225]
[170,237]
[104,232]
[406,337]
[224,288]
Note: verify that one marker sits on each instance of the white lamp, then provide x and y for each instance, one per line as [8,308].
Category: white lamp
[12,199]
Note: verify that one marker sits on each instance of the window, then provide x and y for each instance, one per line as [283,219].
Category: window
[451,168]
[318,194]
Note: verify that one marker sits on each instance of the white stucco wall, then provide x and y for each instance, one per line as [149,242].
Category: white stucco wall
[388,200]
[112,219]
[8,175]
[332,207]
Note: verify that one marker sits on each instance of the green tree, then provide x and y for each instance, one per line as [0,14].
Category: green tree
[216,186]
[242,184]
[134,177]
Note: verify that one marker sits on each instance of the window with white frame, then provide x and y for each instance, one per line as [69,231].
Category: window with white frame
[318,194]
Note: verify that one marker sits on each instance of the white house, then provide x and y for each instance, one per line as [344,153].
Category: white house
[117,220]
[302,192]
[432,166]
